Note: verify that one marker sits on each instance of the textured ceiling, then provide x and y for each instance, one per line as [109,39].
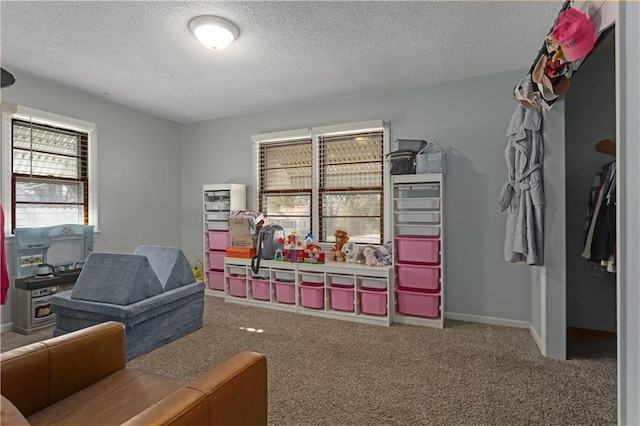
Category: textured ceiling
[142,55]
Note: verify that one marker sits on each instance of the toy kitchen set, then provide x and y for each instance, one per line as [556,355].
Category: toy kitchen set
[48,260]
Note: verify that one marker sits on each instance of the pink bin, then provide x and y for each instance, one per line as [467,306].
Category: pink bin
[342,298]
[260,289]
[238,286]
[218,240]
[421,277]
[414,249]
[216,280]
[285,292]
[216,259]
[373,301]
[312,295]
[418,303]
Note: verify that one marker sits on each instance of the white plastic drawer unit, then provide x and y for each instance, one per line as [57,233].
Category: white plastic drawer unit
[340,279]
[417,229]
[419,190]
[285,276]
[217,205]
[218,216]
[215,196]
[237,270]
[312,277]
[417,203]
[417,217]
[372,282]
[217,226]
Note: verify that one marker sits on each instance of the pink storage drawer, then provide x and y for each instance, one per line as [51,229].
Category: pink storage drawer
[421,277]
[312,295]
[216,259]
[237,286]
[373,302]
[260,289]
[342,298]
[216,280]
[416,249]
[285,292]
[418,303]
[218,240]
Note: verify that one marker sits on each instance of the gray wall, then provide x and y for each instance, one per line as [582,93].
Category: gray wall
[138,166]
[469,118]
[590,117]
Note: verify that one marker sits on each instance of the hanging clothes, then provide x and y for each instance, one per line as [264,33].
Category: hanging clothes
[523,195]
[600,239]
[4,273]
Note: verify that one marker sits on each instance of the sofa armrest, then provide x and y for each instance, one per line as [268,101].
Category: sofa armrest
[233,393]
[38,375]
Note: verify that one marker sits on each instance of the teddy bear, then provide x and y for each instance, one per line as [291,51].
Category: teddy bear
[336,252]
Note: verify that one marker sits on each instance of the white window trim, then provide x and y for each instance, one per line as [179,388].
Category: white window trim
[10,112]
[314,133]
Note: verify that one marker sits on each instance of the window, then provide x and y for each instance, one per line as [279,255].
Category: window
[50,169]
[322,179]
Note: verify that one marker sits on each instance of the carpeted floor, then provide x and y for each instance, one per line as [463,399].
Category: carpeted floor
[332,372]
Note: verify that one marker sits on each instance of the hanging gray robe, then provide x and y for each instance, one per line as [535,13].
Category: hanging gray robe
[523,195]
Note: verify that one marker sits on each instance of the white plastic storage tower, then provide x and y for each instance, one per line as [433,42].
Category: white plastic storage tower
[218,200]
[418,233]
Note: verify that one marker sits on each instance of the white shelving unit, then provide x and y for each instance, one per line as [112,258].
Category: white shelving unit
[418,234]
[340,290]
[218,200]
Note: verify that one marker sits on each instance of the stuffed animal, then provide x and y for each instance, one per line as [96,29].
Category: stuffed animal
[350,250]
[308,239]
[336,252]
[370,256]
[386,254]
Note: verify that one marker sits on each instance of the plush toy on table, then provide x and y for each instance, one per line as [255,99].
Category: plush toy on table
[336,252]
[308,239]
[370,256]
[351,252]
[386,254]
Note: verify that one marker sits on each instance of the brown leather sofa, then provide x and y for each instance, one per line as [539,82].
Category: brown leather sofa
[81,378]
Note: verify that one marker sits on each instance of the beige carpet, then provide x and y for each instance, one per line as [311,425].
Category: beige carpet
[331,372]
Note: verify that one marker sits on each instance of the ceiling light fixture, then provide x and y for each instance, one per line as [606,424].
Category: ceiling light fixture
[214,32]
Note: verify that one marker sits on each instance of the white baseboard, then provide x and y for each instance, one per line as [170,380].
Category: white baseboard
[6,327]
[486,320]
[537,339]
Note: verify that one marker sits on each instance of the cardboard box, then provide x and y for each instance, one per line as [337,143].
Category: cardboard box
[243,227]
[243,241]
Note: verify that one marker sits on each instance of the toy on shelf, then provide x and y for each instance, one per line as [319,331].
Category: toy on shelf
[336,252]
[313,253]
[350,250]
[308,239]
[370,256]
[386,254]
[279,250]
[293,249]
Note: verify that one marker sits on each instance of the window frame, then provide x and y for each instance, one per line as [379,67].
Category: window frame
[327,131]
[26,114]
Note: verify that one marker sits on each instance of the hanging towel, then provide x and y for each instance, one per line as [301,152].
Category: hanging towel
[522,197]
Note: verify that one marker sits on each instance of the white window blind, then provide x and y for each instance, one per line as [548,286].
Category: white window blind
[50,183]
[286,183]
[351,189]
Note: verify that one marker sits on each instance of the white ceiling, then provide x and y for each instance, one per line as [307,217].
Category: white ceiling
[142,55]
